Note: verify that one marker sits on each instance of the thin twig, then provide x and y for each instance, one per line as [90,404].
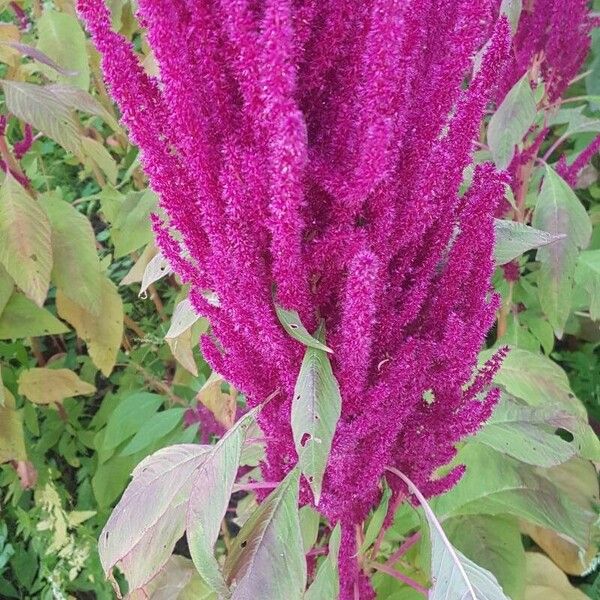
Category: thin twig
[401,577]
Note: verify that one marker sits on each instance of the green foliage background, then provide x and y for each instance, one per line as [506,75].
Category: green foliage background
[93,381]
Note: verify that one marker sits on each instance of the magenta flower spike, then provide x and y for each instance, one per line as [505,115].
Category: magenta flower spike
[310,154]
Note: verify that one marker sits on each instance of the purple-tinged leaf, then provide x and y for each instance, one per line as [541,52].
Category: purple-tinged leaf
[142,531]
[513,239]
[453,575]
[209,498]
[40,56]
[267,559]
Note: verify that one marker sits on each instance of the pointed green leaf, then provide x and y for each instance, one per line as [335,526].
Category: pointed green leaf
[76,269]
[511,121]
[376,522]
[22,318]
[513,239]
[62,39]
[316,408]
[98,153]
[267,559]
[326,585]
[292,324]
[25,240]
[559,212]
[587,277]
[209,498]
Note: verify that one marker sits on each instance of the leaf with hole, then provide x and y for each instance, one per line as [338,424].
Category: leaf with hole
[290,321]
[266,560]
[316,409]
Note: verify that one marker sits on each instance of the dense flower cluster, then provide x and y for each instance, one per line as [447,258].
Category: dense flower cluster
[310,153]
[551,43]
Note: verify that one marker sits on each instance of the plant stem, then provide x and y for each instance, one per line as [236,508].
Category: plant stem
[400,576]
[255,485]
[404,548]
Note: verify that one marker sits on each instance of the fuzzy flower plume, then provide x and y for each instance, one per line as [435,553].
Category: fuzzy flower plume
[310,154]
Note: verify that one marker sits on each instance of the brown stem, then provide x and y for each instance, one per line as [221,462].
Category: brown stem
[36,350]
[131,324]
[157,302]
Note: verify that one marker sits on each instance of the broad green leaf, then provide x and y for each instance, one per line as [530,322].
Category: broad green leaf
[39,106]
[512,9]
[142,530]
[513,239]
[78,99]
[559,212]
[511,122]
[376,522]
[25,240]
[309,526]
[266,560]
[535,379]
[102,335]
[184,316]
[131,229]
[292,324]
[127,418]
[495,543]
[587,276]
[61,38]
[326,585]
[157,426]
[98,153]
[453,575]
[23,318]
[575,120]
[495,484]
[209,498]
[545,581]
[529,434]
[12,439]
[52,386]
[316,408]
[76,268]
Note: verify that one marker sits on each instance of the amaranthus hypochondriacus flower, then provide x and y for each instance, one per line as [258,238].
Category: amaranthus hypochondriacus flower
[310,154]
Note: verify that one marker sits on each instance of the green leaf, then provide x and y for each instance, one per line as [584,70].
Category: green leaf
[6,288]
[131,229]
[512,9]
[267,559]
[52,386]
[495,543]
[61,38]
[39,106]
[453,575]
[309,526]
[326,585]
[25,240]
[495,484]
[141,532]
[513,239]
[535,379]
[587,277]
[126,419]
[316,408]
[376,522]
[511,122]
[101,157]
[529,434]
[22,318]
[559,212]
[76,269]
[157,426]
[209,498]
[292,324]
[102,335]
